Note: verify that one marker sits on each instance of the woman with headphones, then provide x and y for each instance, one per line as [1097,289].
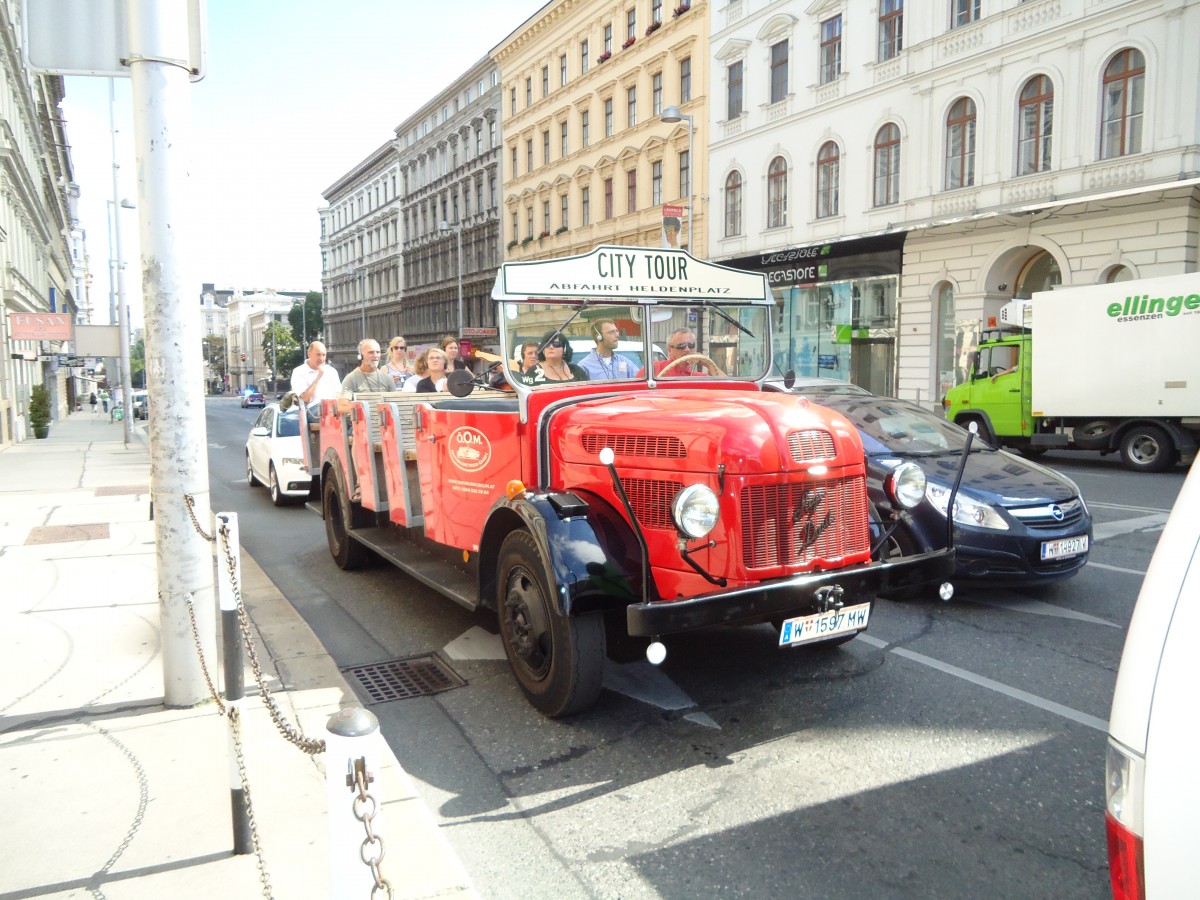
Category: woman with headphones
[555,357]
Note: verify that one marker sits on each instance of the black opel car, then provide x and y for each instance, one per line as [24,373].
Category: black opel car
[1016,522]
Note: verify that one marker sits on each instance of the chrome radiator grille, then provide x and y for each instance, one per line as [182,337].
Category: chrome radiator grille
[792,524]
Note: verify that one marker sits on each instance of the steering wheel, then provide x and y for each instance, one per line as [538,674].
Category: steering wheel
[690,357]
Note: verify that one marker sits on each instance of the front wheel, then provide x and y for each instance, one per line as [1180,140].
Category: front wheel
[558,660]
[251,478]
[277,495]
[1147,448]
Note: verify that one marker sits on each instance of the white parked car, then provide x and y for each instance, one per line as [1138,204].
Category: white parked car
[1152,784]
[274,456]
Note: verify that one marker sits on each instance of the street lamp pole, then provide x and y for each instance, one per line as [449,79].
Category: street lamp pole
[457,228]
[672,115]
[122,309]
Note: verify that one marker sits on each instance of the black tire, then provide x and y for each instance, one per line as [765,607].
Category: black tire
[899,545]
[277,495]
[1029,451]
[347,553]
[250,477]
[984,432]
[1147,448]
[558,660]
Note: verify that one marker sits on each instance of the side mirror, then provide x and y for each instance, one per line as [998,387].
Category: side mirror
[260,432]
[460,383]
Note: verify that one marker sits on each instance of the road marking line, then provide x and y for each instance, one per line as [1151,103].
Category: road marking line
[1038,608]
[1042,703]
[1103,530]
[1141,573]
[1093,504]
[475,643]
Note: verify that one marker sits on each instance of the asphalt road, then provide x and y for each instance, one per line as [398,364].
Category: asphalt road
[955,750]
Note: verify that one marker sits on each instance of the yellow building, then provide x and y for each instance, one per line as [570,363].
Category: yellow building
[587,158]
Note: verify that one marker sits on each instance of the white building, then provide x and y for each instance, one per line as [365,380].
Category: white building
[900,172]
[247,316]
[362,270]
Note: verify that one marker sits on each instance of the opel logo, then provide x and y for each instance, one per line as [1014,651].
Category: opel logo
[1057,512]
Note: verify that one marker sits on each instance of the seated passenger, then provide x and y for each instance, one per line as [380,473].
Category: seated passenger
[436,362]
[681,343]
[604,362]
[367,377]
[555,365]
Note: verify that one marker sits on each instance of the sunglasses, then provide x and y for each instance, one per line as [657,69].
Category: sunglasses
[556,343]
[399,347]
[690,345]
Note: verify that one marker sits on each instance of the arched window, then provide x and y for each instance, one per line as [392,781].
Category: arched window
[777,193]
[960,144]
[1036,124]
[887,165]
[828,174]
[1041,273]
[1124,102]
[733,204]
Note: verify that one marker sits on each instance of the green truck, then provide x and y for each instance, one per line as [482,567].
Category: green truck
[1114,368]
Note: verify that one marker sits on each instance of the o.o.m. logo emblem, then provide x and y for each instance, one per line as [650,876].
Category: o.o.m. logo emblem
[470,449]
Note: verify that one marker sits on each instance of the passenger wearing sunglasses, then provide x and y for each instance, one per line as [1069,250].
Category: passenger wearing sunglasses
[397,365]
[555,359]
[681,343]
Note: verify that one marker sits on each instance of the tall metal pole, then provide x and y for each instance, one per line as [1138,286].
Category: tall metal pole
[122,308]
[158,42]
[458,242]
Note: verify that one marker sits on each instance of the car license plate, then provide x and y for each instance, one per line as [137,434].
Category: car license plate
[818,627]
[1065,547]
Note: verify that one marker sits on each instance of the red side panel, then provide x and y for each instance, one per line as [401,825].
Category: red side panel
[466,460]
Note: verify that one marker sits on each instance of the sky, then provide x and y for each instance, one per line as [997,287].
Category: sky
[296,93]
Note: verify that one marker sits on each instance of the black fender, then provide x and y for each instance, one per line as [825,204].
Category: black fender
[591,556]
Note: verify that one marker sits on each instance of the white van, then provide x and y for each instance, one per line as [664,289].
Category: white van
[1152,776]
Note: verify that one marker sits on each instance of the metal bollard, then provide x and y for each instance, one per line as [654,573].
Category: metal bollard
[351,764]
[235,693]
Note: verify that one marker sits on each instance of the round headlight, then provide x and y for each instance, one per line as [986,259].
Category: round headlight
[906,485]
[695,510]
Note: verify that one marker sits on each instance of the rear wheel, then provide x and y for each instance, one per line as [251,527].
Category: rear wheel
[558,660]
[347,553]
[1147,448]
[250,477]
[277,495]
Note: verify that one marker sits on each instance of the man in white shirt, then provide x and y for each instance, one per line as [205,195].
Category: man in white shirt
[604,362]
[315,380]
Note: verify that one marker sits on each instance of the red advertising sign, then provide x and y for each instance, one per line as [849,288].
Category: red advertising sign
[39,326]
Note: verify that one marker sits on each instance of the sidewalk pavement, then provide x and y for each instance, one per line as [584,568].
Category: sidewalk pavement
[107,793]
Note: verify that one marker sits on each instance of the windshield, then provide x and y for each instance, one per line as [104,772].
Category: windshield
[899,428]
[551,342]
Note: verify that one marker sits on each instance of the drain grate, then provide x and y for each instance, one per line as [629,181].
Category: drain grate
[418,676]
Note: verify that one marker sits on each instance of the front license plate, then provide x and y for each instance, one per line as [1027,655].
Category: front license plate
[804,629]
[1061,549]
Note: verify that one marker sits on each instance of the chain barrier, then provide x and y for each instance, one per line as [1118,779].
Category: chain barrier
[311,746]
[364,807]
[235,725]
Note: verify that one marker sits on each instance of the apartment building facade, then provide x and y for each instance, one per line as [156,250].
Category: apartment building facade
[362,266]
[900,173]
[588,158]
[449,160]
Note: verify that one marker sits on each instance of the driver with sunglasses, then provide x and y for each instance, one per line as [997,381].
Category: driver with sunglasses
[681,343]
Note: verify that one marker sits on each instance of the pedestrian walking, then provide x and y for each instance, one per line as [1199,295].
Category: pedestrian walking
[104,399]
[93,400]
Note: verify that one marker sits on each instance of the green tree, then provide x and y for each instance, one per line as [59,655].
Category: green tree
[279,346]
[137,363]
[306,320]
[214,354]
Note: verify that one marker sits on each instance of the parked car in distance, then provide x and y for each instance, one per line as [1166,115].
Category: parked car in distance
[1016,522]
[274,456]
[140,404]
[1152,782]
[253,398]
